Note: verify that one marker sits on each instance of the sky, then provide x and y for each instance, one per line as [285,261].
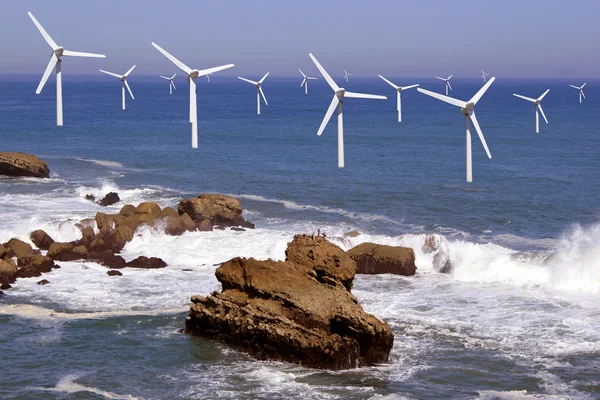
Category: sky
[510,39]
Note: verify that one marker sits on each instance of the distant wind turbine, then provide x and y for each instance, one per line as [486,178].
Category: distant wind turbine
[208,77]
[580,91]
[124,84]
[538,108]
[305,81]
[467,109]
[485,75]
[192,75]
[259,90]
[346,75]
[171,83]
[399,89]
[338,100]
[447,80]
[55,61]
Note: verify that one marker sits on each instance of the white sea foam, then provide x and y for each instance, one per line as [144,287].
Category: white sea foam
[104,163]
[68,385]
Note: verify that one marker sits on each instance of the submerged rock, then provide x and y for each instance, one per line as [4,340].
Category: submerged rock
[372,258]
[146,263]
[299,310]
[21,164]
[113,272]
[43,282]
[110,199]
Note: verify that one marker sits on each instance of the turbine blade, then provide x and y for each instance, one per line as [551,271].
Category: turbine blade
[310,77]
[301,72]
[328,78]
[70,53]
[47,72]
[128,72]
[388,82]
[443,79]
[479,133]
[111,74]
[544,95]
[214,69]
[353,95]
[539,106]
[328,114]
[263,95]
[129,89]
[446,99]
[263,78]
[410,87]
[449,85]
[524,98]
[165,77]
[173,83]
[303,82]
[248,80]
[582,94]
[174,75]
[575,87]
[481,91]
[582,86]
[45,34]
[175,61]
[450,77]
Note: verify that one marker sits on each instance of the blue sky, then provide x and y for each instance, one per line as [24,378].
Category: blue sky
[526,38]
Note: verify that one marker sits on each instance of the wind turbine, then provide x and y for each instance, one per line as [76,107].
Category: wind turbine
[399,89]
[467,109]
[447,80]
[338,99]
[259,90]
[192,75]
[208,77]
[580,91]
[484,76]
[124,83]
[346,75]
[305,81]
[171,84]
[538,108]
[55,61]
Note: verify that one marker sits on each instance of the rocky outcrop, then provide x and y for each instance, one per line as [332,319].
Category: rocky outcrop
[299,310]
[8,273]
[144,262]
[374,258]
[35,265]
[108,200]
[41,239]
[17,248]
[21,164]
[219,210]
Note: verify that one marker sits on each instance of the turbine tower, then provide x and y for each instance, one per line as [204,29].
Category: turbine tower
[124,84]
[339,94]
[447,80]
[399,89]
[171,83]
[467,109]
[55,62]
[192,75]
[305,81]
[538,108]
[346,75]
[259,90]
[484,76]
[580,91]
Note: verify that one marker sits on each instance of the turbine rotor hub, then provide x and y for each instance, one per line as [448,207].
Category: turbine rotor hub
[340,92]
[194,74]
[59,51]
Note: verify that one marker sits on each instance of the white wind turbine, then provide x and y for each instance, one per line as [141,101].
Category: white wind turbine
[124,84]
[55,61]
[259,90]
[192,75]
[305,81]
[338,100]
[399,89]
[346,75]
[447,80]
[538,108]
[467,109]
[485,75]
[171,83]
[580,91]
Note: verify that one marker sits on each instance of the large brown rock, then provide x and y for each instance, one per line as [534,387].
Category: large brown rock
[110,199]
[374,258]
[62,251]
[107,259]
[299,310]
[41,239]
[8,272]
[219,209]
[116,239]
[146,263]
[18,248]
[33,266]
[21,164]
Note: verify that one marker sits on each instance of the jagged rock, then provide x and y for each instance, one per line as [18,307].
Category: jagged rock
[21,164]
[3,251]
[62,251]
[299,310]
[110,199]
[97,245]
[81,252]
[5,286]
[127,210]
[43,282]
[374,258]
[107,259]
[116,239]
[36,265]
[8,273]
[220,210]
[87,236]
[41,239]
[104,221]
[146,263]
[17,248]
[148,208]
[113,272]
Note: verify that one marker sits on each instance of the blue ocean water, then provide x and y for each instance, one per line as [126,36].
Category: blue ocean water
[517,317]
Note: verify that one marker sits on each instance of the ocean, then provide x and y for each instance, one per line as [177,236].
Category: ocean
[518,317]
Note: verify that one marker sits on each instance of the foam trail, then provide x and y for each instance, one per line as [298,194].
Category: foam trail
[104,163]
[45,314]
[68,385]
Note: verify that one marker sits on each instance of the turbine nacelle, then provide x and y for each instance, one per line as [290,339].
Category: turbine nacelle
[468,108]
[340,93]
[59,51]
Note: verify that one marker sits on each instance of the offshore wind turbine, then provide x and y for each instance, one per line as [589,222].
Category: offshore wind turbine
[467,109]
[192,75]
[447,80]
[171,83]
[55,63]
[580,91]
[124,84]
[305,81]
[259,90]
[484,76]
[538,108]
[346,75]
[399,89]
[339,94]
